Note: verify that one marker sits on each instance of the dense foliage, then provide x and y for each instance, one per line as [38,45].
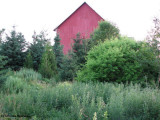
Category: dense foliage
[75,58]
[28,61]
[105,57]
[13,48]
[79,51]
[120,60]
[105,31]
[37,48]
[26,95]
[58,51]
[68,68]
[3,70]
[48,66]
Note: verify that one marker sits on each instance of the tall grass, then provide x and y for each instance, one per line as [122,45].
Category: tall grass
[28,75]
[82,101]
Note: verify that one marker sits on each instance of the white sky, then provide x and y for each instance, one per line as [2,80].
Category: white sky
[133,17]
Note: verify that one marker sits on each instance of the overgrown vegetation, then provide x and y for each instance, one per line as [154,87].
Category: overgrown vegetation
[117,77]
[29,61]
[37,48]
[121,60]
[48,66]
[105,31]
[26,95]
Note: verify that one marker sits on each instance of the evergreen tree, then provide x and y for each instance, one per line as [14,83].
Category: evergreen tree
[58,51]
[13,47]
[29,61]
[68,68]
[37,48]
[48,67]
[79,51]
[75,58]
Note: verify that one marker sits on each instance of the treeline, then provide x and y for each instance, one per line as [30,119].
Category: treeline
[105,56]
[49,60]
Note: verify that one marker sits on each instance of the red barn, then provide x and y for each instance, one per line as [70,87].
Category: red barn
[83,20]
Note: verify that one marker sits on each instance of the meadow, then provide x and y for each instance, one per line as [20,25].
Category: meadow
[27,95]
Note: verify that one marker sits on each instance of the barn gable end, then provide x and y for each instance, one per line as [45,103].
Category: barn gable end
[84,20]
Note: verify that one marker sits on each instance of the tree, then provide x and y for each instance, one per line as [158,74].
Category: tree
[28,61]
[48,66]
[154,40]
[79,51]
[105,31]
[13,48]
[68,68]
[58,51]
[37,48]
[120,60]
[154,36]
[1,33]
[75,59]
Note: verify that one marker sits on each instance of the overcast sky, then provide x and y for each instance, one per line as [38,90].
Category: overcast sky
[133,17]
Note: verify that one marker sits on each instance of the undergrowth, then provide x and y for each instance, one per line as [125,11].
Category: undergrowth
[32,98]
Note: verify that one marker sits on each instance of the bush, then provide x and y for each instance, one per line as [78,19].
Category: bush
[28,75]
[23,80]
[120,60]
[80,101]
[14,85]
[3,70]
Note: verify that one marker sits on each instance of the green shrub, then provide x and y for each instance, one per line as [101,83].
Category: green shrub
[14,85]
[20,105]
[28,75]
[80,101]
[105,30]
[120,60]
[3,71]
[25,79]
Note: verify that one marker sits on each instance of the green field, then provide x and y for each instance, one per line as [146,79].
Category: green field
[26,94]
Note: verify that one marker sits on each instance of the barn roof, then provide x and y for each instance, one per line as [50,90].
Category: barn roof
[74,12]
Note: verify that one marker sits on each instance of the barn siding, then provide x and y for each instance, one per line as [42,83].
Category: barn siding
[84,21]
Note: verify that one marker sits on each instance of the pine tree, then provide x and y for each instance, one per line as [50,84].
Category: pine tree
[37,48]
[29,61]
[58,50]
[75,58]
[48,67]
[79,51]
[13,48]
[68,68]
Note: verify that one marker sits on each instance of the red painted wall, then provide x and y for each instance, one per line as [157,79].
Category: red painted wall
[84,20]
